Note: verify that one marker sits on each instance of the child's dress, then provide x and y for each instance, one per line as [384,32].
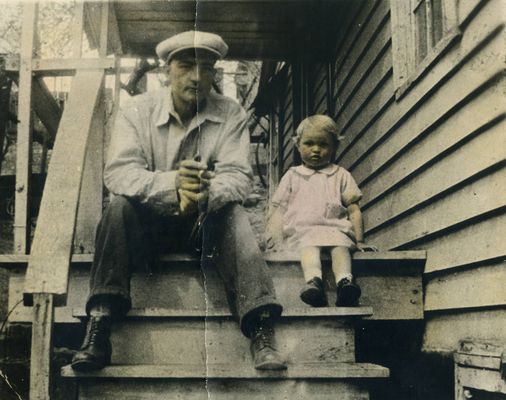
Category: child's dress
[314,206]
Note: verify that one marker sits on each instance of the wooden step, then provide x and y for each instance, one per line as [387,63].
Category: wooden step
[316,370]
[390,281]
[162,337]
[346,381]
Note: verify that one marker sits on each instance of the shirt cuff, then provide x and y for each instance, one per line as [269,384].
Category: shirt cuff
[164,198]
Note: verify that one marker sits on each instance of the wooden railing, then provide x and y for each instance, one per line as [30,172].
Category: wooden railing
[47,276]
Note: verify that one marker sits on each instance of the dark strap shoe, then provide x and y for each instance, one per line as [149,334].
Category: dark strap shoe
[263,349]
[348,293]
[313,293]
[95,352]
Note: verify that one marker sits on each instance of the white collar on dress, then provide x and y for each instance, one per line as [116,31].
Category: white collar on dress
[305,171]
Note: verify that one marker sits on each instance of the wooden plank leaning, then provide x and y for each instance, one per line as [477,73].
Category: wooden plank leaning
[24,135]
[48,267]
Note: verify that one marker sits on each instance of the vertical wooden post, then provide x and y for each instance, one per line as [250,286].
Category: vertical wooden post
[24,139]
[77,30]
[104,29]
[5,91]
[42,344]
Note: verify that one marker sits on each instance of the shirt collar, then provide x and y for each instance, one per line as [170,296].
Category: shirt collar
[331,169]
[210,111]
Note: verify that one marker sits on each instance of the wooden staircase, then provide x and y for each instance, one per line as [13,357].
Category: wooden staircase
[181,342]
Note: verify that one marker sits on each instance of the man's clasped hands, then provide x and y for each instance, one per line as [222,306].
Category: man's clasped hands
[192,183]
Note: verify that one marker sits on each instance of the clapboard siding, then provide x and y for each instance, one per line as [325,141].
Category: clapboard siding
[473,246]
[464,206]
[364,12]
[369,69]
[426,188]
[287,125]
[480,286]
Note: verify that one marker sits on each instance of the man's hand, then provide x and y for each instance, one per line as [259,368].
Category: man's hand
[189,201]
[193,176]
[192,183]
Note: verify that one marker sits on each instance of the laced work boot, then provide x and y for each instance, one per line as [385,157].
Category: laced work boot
[95,352]
[263,348]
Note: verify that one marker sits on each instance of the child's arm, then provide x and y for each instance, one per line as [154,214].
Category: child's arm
[357,222]
[274,229]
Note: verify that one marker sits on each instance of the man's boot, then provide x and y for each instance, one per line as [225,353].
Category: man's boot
[263,348]
[95,352]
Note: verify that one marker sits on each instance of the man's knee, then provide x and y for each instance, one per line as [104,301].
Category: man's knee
[119,208]
[232,211]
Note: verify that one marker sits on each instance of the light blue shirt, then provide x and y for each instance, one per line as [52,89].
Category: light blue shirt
[149,141]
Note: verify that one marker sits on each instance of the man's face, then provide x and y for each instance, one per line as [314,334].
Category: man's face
[191,78]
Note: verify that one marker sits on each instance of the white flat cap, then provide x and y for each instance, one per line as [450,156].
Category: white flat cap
[192,40]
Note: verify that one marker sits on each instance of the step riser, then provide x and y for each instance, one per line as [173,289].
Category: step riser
[394,295]
[222,390]
[194,342]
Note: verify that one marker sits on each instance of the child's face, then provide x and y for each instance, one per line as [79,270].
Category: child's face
[316,148]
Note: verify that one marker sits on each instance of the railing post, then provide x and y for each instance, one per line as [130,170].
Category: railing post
[42,345]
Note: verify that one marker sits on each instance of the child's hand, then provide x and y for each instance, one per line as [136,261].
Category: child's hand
[361,246]
[268,243]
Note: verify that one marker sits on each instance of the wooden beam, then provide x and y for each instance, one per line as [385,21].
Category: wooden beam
[62,67]
[48,268]
[42,347]
[90,200]
[24,134]
[45,106]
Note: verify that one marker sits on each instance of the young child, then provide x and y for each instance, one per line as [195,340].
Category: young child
[315,207]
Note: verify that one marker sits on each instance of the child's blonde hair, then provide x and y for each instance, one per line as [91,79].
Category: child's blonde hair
[319,122]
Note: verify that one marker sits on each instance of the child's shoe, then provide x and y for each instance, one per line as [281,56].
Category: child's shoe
[348,293]
[313,293]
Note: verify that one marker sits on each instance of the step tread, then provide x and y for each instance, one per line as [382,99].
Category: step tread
[341,370]
[408,256]
[302,312]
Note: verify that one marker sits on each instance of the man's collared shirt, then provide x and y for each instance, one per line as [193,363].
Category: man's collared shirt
[149,141]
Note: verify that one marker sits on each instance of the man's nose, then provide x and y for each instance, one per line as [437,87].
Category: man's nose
[194,74]
[315,149]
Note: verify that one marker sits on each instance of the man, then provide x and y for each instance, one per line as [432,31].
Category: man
[177,155]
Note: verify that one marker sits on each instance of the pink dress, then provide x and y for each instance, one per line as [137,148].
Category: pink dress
[314,206]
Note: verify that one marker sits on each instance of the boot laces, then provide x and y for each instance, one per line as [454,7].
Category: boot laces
[93,332]
[264,336]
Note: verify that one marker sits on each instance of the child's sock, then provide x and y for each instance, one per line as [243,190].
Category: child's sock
[344,276]
[311,263]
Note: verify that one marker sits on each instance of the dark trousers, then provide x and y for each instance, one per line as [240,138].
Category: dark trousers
[126,241]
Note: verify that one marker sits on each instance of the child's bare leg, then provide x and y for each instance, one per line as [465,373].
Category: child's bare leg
[313,292]
[348,292]
[341,263]
[311,262]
